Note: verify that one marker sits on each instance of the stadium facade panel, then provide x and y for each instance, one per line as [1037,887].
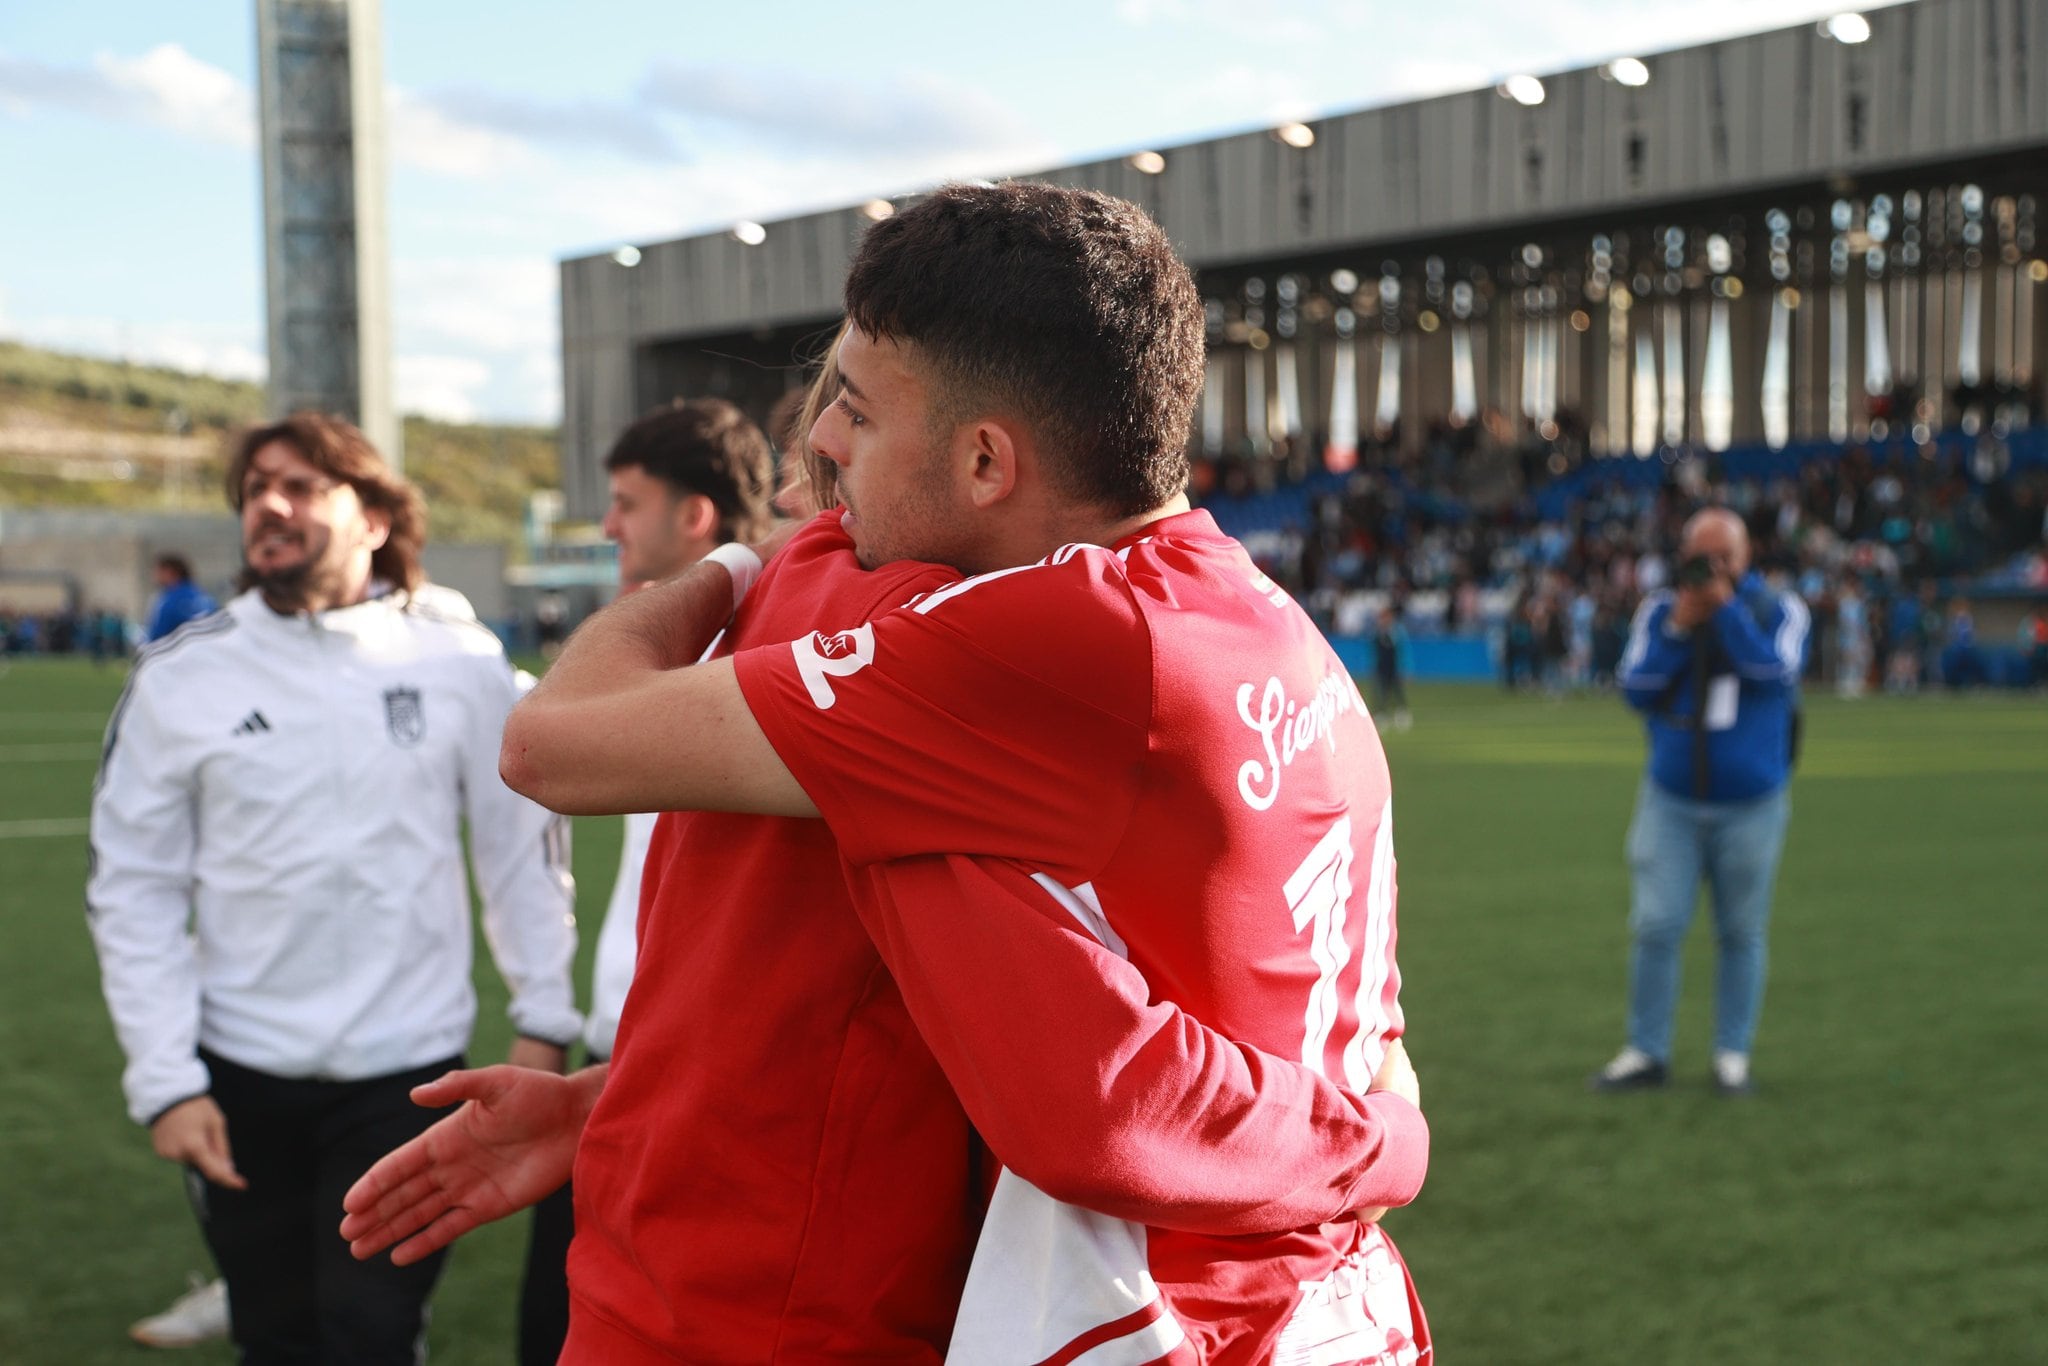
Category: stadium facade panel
[1521,202]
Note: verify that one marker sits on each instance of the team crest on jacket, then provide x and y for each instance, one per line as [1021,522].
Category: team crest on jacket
[404,716]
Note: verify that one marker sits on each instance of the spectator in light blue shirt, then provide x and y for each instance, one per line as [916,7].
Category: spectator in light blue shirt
[178,599]
[1713,664]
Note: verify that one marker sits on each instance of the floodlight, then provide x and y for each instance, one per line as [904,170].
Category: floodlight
[1847,28]
[1628,71]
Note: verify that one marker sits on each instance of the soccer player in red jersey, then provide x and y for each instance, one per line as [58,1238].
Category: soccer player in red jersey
[1111,775]
[779,1171]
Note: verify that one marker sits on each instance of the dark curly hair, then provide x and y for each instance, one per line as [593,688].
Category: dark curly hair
[707,446]
[1064,308]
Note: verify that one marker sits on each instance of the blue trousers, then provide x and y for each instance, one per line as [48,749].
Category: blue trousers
[1673,844]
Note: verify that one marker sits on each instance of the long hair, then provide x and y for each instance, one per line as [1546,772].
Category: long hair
[796,414]
[339,450]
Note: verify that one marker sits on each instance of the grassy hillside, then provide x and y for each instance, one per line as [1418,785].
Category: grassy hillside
[476,477]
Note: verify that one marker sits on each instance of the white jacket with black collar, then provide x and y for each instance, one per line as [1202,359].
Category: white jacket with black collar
[277,867]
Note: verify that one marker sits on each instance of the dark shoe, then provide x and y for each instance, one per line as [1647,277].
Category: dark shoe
[1631,1070]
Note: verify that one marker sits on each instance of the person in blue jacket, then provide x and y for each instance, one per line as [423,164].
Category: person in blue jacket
[178,599]
[1713,664]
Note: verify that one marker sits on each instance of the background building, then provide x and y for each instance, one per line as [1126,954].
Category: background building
[1825,232]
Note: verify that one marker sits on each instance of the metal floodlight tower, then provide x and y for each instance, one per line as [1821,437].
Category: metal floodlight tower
[326,258]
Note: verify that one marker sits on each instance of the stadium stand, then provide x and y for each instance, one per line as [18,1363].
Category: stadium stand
[1529,587]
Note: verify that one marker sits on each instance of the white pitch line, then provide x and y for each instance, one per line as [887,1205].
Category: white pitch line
[48,829]
[48,754]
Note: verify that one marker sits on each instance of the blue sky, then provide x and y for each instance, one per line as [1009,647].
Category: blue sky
[521,132]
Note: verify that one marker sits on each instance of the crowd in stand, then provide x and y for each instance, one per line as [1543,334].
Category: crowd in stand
[102,635]
[105,634]
[1877,541]
[1867,539]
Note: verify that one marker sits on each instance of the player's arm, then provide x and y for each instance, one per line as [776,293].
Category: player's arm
[519,856]
[627,720]
[138,901]
[1101,1098]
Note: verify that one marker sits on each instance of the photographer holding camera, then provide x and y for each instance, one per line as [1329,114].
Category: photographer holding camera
[1713,664]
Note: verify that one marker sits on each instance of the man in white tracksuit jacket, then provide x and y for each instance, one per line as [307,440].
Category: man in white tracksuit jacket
[278,893]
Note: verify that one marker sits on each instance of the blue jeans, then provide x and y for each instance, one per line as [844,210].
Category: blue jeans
[1673,843]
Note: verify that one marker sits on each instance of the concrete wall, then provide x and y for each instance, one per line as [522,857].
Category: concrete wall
[110,556]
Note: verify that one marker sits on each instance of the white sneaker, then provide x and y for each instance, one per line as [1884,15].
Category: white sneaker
[1631,1070]
[199,1315]
[1731,1073]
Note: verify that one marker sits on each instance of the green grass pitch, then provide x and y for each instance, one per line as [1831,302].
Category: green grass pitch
[1881,1200]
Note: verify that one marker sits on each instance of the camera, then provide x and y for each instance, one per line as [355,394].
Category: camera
[1696,571]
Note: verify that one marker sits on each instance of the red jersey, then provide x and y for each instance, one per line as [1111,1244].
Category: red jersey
[1158,741]
[776,1169]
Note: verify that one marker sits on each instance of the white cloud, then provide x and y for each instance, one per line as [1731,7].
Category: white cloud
[542,370]
[170,87]
[422,135]
[621,129]
[591,206]
[441,386]
[1242,94]
[799,113]
[166,87]
[503,304]
[531,391]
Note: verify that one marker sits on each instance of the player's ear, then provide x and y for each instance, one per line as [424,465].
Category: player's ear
[377,522]
[995,447]
[696,516]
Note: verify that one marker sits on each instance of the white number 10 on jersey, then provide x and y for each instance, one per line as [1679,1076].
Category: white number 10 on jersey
[1319,894]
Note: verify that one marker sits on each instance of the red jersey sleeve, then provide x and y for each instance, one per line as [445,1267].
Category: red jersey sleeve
[1112,1101]
[980,719]
[814,577]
